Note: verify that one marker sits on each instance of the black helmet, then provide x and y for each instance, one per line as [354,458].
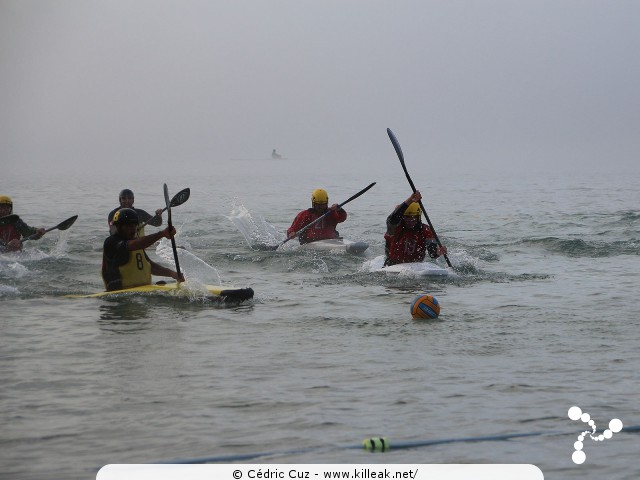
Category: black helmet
[124,216]
[125,193]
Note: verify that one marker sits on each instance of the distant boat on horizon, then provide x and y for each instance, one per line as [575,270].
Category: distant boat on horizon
[274,156]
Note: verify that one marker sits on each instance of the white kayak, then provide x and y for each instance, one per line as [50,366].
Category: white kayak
[336,245]
[417,269]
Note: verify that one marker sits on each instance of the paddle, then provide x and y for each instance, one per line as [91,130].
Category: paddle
[9,219]
[396,145]
[173,240]
[61,226]
[178,199]
[353,197]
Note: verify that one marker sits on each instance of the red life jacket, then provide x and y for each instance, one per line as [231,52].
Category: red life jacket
[406,246]
[322,230]
[9,232]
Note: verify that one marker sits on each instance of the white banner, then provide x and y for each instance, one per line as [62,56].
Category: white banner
[320,472]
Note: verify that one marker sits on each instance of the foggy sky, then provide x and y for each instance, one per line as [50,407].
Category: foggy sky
[464,84]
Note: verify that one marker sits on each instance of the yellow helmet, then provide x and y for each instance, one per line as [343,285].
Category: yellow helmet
[319,196]
[5,200]
[413,210]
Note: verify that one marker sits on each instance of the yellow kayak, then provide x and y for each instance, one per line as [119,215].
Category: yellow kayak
[218,291]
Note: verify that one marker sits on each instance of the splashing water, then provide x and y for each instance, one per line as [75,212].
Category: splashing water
[373,265]
[61,247]
[194,269]
[255,232]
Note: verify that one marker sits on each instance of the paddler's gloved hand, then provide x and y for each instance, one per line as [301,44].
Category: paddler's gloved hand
[14,245]
[169,232]
[434,250]
[414,198]
[178,278]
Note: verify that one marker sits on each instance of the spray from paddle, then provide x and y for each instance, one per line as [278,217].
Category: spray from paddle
[257,232]
[194,269]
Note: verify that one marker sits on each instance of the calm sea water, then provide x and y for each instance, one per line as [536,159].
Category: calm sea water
[542,317]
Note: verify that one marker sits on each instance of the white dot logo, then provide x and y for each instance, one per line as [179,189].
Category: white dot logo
[575,413]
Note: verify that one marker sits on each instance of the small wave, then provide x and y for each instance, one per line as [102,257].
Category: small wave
[25,256]
[7,291]
[13,270]
[629,216]
[583,248]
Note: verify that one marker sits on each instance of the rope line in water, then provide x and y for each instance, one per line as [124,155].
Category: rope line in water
[386,446]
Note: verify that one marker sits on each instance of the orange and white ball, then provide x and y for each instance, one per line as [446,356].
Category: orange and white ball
[425,306]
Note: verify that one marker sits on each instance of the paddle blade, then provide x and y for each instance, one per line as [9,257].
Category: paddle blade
[67,223]
[173,240]
[396,145]
[353,197]
[167,202]
[180,197]
[61,226]
[166,196]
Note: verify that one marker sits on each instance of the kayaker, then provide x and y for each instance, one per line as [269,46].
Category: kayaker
[126,199]
[325,228]
[407,238]
[11,232]
[125,264]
